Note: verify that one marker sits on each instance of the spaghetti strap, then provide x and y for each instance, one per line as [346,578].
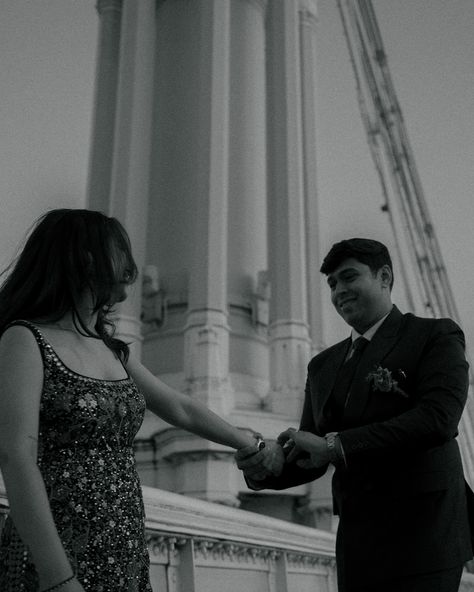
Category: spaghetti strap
[29,325]
[40,340]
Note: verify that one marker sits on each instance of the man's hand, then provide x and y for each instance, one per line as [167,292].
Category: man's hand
[296,442]
[261,464]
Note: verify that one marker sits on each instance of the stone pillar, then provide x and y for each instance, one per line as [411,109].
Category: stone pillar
[316,506]
[289,338]
[247,217]
[247,154]
[206,359]
[128,200]
[308,28]
[102,137]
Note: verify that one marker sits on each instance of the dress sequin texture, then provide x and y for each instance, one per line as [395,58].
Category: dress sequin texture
[85,455]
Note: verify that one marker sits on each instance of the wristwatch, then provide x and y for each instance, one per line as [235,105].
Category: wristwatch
[331,446]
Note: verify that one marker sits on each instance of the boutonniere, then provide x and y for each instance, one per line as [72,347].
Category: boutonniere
[381,379]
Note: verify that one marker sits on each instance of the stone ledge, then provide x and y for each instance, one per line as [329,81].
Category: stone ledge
[174,513]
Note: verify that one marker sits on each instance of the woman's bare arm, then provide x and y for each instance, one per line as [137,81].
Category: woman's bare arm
[182,411]
[21,381]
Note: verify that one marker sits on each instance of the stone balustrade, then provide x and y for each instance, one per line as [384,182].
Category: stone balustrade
[196,546]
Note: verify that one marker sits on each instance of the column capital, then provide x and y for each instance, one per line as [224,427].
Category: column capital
[109,5]
[308,10]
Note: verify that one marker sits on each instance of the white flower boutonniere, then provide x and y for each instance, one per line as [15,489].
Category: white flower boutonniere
[381,379]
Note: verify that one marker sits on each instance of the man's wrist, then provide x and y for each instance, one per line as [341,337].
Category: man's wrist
[334,448]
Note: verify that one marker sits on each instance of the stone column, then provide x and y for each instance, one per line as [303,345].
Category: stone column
[316,506]
[206,359]
[247,217]
[247,171]
[308,28]
[129,193]
[289,338]
[102,137]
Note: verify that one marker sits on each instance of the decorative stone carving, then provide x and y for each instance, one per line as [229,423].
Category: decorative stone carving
[229,551]
[164,546]
[300,561]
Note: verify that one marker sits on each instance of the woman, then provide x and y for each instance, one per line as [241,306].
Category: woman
[71,401]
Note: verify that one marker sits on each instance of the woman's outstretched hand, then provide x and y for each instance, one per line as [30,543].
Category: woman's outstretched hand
[262,464]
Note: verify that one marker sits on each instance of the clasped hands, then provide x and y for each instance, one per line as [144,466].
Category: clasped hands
[304,448]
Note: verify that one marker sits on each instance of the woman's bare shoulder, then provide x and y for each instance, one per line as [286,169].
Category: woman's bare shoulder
[18,341]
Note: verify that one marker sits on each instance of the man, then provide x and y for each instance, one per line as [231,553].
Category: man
[384,410]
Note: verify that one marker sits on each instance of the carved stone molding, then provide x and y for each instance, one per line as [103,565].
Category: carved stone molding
[164,546]
[109,5]
[228,551]
[167,546]
[309,561]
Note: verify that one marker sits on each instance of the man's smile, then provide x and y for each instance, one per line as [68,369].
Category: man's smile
[347,301]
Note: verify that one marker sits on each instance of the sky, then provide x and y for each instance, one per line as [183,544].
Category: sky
[47,70]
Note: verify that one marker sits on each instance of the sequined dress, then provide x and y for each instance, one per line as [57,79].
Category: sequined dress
[85,455]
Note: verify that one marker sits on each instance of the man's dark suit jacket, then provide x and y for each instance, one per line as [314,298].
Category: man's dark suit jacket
[401,494]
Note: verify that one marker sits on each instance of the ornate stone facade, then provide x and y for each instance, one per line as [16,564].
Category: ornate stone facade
[213,174]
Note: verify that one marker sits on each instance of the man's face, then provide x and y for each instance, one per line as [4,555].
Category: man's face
[359,296]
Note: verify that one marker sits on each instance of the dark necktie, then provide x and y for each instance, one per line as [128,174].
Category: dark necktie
[346,375]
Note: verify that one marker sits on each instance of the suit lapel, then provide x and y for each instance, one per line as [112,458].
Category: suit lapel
[329,374]
[380,345]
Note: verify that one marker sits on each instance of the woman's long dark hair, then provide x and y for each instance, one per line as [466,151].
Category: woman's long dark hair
[69,252]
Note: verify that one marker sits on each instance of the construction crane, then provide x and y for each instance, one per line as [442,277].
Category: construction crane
[402,192]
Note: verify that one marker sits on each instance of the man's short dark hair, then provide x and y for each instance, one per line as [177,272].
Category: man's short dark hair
[365,250]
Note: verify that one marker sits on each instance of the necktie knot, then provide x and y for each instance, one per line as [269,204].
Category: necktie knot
[360,343]
[358,346]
